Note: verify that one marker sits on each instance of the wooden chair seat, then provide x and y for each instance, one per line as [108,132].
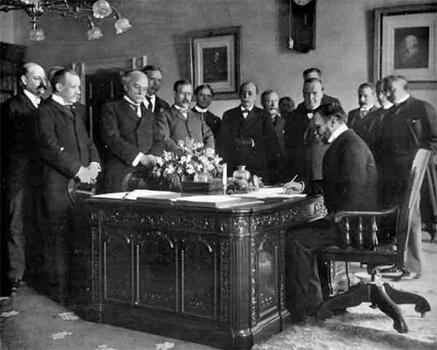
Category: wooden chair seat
[359,235]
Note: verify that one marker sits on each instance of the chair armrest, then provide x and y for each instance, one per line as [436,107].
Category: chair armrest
[347,214]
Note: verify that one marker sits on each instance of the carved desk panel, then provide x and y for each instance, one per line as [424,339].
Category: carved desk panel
[213,276]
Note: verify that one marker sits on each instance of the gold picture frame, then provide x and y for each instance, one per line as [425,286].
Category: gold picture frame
[405,42]
[215,59]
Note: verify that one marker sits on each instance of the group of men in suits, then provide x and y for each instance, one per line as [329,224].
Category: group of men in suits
[139,126]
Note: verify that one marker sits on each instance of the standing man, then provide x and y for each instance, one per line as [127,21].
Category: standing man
[349,183]
[67,153]
[204,95]
[366,101]
[304,149]
[180,122]
[152,102]
[19,156]
[409,125]
[129,132]
[247,136]
[286,106]
[317,74]
[270,102]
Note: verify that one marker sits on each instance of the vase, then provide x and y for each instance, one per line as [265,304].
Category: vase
[241,176]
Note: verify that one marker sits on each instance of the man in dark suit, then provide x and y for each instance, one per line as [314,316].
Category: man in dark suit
[409,125]
[349,183]
[316,73]
[18,172]
[129,132]
[152,102]
[366,101]
[67,153]
[304,149]
[247,135]
[204,95]
[180,122]
[270,102]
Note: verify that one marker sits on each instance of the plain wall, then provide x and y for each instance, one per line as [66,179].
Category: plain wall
[344,42]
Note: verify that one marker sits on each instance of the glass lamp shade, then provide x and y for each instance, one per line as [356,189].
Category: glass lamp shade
[94,33]
[122,25]
[37,34]
[101,9]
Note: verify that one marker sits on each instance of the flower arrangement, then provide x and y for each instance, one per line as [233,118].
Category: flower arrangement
[189,160]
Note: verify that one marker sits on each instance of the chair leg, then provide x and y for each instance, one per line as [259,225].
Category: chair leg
[380,297]
[353,297]
[368,292]
[401,297]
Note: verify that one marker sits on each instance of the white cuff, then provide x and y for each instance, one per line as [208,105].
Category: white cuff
[137,159]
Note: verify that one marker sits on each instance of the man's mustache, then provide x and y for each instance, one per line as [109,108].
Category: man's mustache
[42,86]
[185,101]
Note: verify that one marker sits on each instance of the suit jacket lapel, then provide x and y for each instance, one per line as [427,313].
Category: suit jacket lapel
[27,102]
[129,110]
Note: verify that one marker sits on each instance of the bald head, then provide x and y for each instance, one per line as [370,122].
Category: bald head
[33,79]
[135,84]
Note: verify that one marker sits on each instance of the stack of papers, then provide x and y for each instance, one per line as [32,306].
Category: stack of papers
[271,193]
[215,201]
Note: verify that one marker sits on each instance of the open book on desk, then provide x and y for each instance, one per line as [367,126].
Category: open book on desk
[215,201]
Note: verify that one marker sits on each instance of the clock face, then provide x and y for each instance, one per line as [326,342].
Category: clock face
[302,2]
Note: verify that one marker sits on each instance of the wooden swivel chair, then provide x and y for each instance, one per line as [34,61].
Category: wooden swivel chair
[361,245]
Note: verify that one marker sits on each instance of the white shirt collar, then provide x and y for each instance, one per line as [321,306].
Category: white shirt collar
[340,130]
[200,110]
[406,97]
[127,98]
[36,100]
[387,105]
[58,99]
[152,101]
[366,108]
[246,109]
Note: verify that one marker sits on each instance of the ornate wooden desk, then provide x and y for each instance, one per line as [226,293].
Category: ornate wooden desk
[212,276]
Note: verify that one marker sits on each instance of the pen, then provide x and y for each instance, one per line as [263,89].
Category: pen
[294,178]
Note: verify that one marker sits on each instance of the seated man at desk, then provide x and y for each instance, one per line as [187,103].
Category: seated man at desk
[349,183]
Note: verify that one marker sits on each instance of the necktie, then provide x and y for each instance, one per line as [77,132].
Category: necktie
[363,112]
[150,105]
[245,113]
[70,109]
[137,109]
[184,112]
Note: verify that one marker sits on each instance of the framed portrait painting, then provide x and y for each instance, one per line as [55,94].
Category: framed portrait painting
[405,42]
[215,60]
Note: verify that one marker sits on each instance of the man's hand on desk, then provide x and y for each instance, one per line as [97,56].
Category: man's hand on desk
[294,187]
[87,175]
[148,160]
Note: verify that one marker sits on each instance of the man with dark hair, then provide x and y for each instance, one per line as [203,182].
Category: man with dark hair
[409,125]
[67,153]
[129,132]
[18,117]
[204,95]
[286,106]
[270,103]
[316,73]
[180,122]
[366,101]
[349,183]
[304,150]
[247,135]
[152,102]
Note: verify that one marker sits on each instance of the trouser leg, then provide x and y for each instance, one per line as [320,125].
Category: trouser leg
[16,240]
[414,244]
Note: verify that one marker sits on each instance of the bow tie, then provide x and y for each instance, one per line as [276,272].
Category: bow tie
[245,111]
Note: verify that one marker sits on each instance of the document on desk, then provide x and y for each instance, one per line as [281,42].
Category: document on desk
[215,201]
[271,193]
[116,195]
[151,196]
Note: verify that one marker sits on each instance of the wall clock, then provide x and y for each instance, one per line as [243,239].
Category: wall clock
[303,24]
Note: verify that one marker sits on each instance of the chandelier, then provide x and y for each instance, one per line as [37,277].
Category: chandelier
[76,9]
